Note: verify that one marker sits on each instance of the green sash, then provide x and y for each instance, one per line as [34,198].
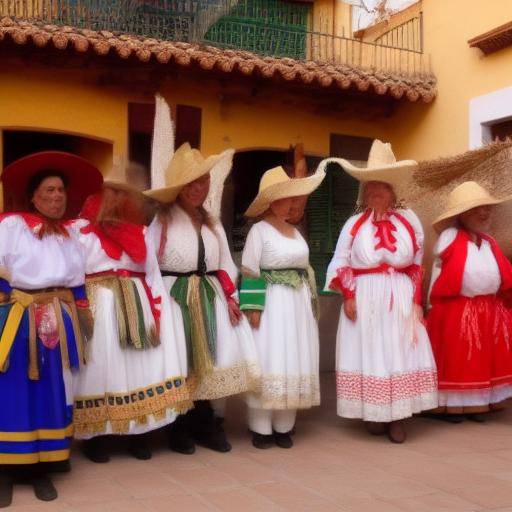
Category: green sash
[253,290]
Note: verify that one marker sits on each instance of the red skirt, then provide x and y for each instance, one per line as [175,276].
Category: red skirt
[472,344]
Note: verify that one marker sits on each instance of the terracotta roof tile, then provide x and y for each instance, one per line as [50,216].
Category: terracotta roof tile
[312,73]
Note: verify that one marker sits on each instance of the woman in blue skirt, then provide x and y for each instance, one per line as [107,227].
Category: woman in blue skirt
[43,306]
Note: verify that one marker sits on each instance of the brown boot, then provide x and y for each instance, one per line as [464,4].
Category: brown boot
[396,432]
[376,428]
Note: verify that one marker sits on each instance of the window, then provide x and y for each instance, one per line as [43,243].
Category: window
[188,126]
[333,202]
[140,122]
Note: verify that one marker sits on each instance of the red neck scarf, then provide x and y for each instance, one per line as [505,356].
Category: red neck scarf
[385,230]
[41,225]
[449,282]
[116,237]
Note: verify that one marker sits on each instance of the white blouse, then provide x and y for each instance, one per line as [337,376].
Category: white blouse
[481,272]
[267,248]
[30,263]
[361,252]
[97,260]
[182,248]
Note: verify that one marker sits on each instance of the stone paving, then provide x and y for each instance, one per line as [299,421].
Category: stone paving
[334,466]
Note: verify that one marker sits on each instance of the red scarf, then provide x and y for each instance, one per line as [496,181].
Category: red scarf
[449,282]
[41,225]
[115,237]
[385,229]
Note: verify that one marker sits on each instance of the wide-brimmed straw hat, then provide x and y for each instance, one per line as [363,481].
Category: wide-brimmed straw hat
[381,166]
[276,184]
[462,198]
[83,178]
[186,166]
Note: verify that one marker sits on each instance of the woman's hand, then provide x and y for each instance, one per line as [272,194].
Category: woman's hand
[234,312]
[254,317]
[418,312]
[4,297]
[349,306]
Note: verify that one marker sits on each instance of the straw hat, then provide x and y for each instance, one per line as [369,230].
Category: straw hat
[276,184]
[462,198]
[186,166]
[381,166]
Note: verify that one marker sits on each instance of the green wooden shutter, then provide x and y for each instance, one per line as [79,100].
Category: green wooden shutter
[328,209]
[268,27]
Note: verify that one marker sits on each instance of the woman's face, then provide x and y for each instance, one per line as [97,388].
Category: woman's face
[283,208]
[378,195]
[194,194]
[50,198]
[477,220]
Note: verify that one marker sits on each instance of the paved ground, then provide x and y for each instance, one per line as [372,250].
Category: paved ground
[334,466]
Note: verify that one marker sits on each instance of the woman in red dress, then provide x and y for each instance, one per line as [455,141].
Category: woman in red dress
[469,325]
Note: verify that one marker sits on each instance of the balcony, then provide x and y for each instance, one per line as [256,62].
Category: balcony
[206,22]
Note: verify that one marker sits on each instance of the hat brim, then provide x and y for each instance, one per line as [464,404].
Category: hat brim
[294,187]
[82,176]
[170,193]
[449,215]
[393,174]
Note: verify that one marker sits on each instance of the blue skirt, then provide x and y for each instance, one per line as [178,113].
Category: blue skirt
[36,422]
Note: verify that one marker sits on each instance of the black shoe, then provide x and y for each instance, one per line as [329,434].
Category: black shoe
[6,485]
[283,440]
[477,418]
[449,418]
[180,440]
[44,488]
[262,441]
[95,450]
[216,441]
[139,447]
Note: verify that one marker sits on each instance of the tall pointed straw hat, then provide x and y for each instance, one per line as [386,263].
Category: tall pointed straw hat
[462,198]
[186,166]
[276,184]
[382,166]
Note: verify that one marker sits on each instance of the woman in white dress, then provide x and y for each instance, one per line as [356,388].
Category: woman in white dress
[385,370]
[277,296]
[199,275]
[134,381]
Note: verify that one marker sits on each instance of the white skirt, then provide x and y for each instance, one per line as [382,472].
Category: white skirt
[123,390]
[288,350]
[236,369]
[385,369]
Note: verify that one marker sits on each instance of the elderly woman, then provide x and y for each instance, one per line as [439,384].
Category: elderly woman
[134,381]
[42,267]
[199,274]
[469,325]
[385,369]
[277,296]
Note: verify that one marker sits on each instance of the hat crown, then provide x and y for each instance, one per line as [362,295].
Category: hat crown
[469,191]
[381,154]
[185,160]
[272,177]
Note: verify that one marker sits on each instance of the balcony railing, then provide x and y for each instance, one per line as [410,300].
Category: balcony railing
[200,21]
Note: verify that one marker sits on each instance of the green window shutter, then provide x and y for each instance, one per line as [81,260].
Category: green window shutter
[268,27]
[328,209]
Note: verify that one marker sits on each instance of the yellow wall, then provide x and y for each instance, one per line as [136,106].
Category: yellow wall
[463,73]
[71,102]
